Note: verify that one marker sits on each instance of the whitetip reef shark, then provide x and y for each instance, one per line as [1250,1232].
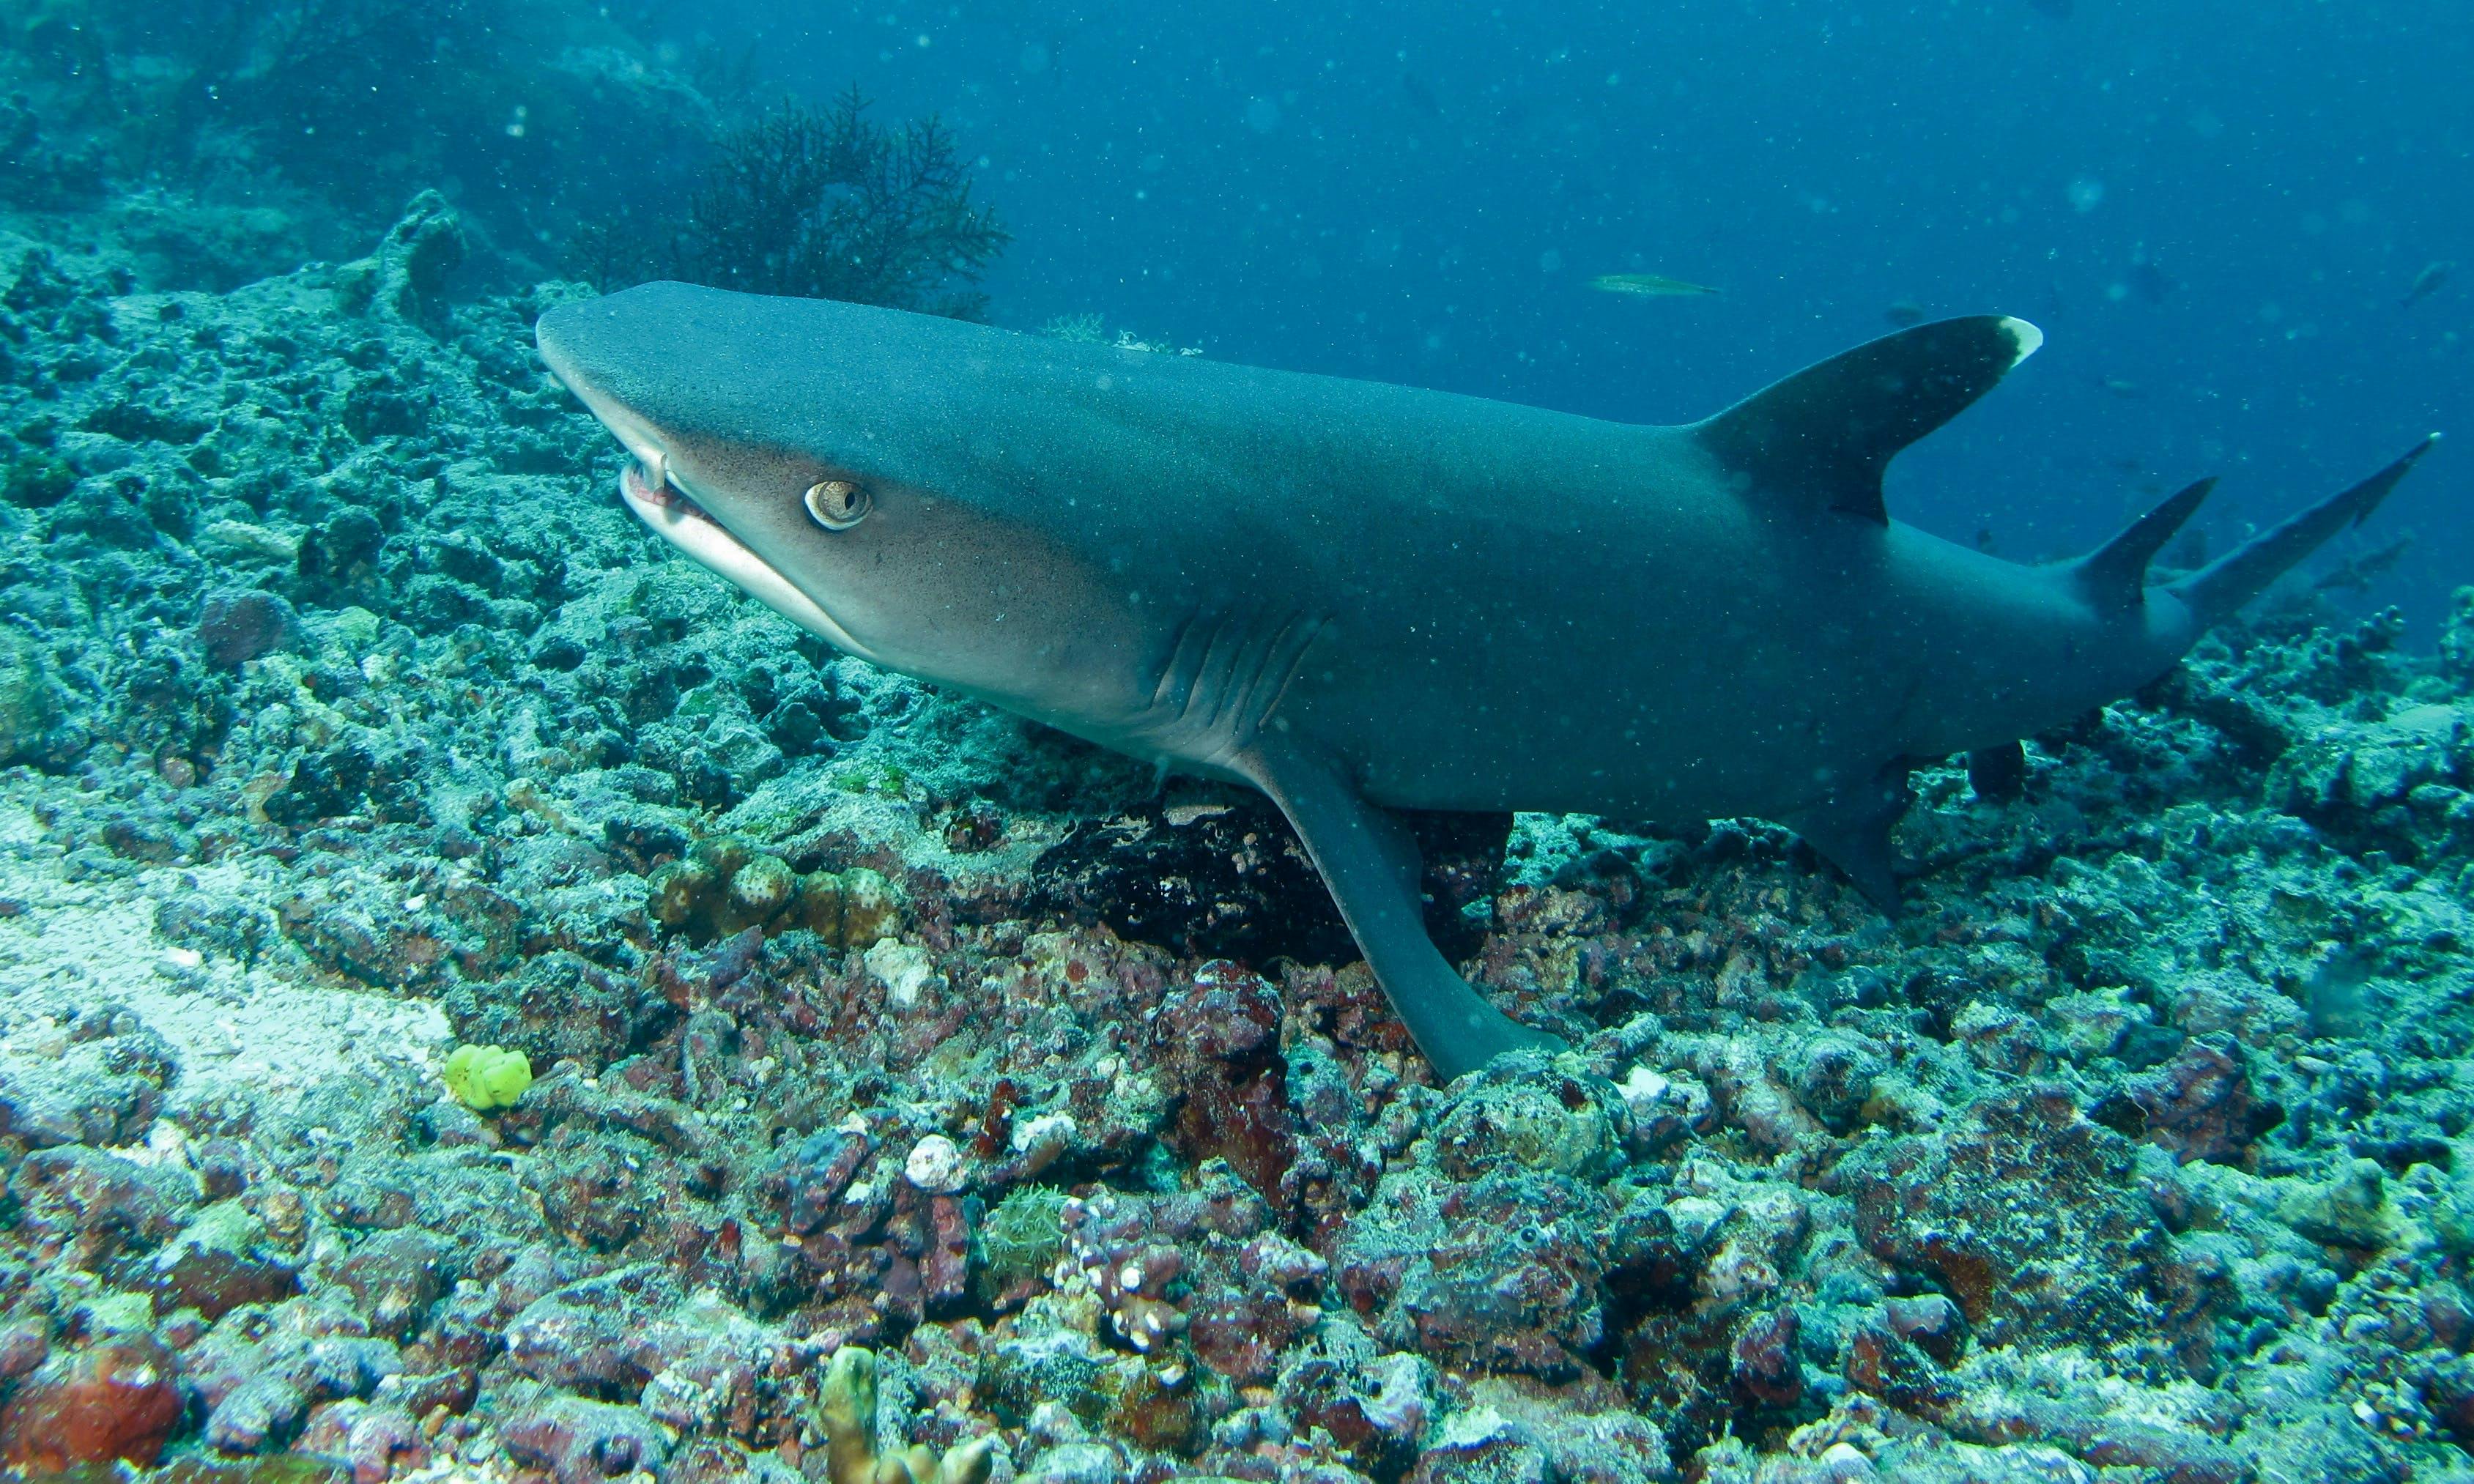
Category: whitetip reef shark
[1363,598]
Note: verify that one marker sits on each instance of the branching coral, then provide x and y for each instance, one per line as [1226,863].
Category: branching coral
[846,1409]
[821,203]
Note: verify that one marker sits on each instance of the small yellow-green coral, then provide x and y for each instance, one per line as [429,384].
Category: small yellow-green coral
[487,1077]
[846,1408]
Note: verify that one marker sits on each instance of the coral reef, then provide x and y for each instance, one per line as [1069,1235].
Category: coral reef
[725,886]
[229,140]
[346,722]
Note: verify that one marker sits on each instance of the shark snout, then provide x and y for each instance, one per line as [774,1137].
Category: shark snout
[633,432]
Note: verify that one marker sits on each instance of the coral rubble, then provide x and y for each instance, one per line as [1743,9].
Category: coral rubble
[913,1092]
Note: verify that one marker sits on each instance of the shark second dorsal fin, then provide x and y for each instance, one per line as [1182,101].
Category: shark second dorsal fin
[2114,577]
[1820,439]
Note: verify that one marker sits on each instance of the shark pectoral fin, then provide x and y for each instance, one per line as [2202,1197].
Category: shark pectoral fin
[1368,862]
[1851,830]
[1820,439]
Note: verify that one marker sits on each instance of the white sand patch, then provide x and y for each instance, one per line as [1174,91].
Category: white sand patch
[247,1028]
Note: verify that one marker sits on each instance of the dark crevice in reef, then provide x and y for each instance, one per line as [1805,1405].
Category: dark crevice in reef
[1218,873]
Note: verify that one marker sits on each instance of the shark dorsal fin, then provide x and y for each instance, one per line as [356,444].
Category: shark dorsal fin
[1820,439]
[2114,577]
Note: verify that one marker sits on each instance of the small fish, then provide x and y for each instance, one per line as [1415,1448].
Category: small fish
[1904,313]
[2127,391]
[2426,284]
[1648,285]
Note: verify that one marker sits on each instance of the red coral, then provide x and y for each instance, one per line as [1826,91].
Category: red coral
[1221,1041]
[1880,1362]
[1765,1367]
[2200,1104]
[119,1399]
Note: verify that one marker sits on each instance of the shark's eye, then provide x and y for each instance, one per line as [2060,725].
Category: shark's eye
[838,504]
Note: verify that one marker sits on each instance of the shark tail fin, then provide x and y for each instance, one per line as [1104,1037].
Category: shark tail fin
[2214,590]
[1820,439]
[2114,577]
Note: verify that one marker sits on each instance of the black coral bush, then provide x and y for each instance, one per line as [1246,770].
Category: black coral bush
[819,204]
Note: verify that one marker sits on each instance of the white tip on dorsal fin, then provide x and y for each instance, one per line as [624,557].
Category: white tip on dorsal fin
[2028,338]
[1819,440]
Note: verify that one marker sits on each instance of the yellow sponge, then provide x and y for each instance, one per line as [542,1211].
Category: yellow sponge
[487,1077]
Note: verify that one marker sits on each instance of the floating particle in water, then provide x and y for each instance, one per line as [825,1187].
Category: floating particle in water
[2086,193]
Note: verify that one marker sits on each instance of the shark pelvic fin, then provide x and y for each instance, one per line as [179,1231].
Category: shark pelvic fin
[2114,577]
[1820,439]
[1851,830]
[2214,590]
[1998,773]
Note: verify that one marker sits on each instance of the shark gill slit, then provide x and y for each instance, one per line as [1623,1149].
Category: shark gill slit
[1263,664]
[1219,665]
[1168,671]
[1292,666]
[1225,674]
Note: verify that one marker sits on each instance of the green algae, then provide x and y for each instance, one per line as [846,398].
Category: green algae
[484,1077]
[1018,1244]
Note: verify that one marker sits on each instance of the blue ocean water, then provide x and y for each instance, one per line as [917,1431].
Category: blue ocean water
[2215,210]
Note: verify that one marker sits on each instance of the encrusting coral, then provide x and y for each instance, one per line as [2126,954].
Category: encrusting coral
[846,1408]
[724,885]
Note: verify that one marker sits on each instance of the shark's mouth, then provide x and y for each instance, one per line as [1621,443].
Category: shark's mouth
[676,518]
[658,502]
